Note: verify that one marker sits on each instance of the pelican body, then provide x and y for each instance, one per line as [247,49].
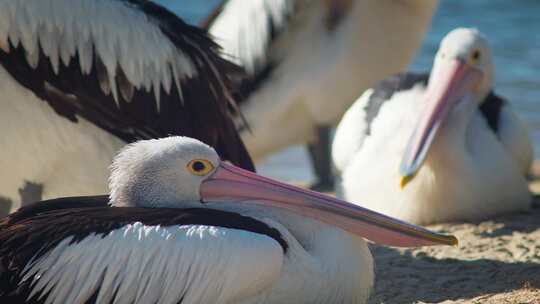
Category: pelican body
[309,60]
[438,147]
[181,226]
[80,79]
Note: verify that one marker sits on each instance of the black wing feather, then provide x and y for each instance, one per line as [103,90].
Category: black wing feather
[490,107]
[205,110]
[35,229]
[387,88]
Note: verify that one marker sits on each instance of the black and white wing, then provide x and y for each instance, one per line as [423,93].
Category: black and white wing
[246,29]
[130,67]
[356,123]
[257,34]
[79,250]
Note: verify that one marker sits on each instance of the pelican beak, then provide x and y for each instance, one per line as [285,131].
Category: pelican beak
[454,80]
[229,183]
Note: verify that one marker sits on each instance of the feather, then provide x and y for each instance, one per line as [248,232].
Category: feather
[126,88]
[139,255]
[117,62]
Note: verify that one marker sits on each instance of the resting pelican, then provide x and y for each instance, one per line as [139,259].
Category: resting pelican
[80,78]
[309,60]
[451,150]
[185,227]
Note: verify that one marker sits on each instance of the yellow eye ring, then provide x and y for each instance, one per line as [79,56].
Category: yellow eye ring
[200,167]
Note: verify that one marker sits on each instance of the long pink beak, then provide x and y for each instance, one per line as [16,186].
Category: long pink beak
[229,183]
[453,81]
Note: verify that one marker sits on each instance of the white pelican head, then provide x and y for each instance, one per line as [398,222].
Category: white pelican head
[462,72]
[181,172]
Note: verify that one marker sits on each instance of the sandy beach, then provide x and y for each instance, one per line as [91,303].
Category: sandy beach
[497,261]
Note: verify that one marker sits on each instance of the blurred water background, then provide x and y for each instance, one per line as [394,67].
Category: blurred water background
[512,28]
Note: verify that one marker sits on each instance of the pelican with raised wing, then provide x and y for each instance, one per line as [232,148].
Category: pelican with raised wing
[185,227]
[437,147]
[80,78]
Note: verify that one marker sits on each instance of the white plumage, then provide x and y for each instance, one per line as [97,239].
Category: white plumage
[65,29]
[290,245]
[99,73]
[48,148]
[320,61]
[470,171]
[187,264]
[244,29]
[307,273]
[454,183]
[204,264]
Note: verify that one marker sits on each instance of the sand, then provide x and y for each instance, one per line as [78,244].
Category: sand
[497,261]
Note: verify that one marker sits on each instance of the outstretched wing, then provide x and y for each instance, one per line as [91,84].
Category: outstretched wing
[129,66]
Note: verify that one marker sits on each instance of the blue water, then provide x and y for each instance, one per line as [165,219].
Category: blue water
[513,31]
[512,28]
[192,11]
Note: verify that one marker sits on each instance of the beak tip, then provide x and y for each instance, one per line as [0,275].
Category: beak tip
[407,172]
[453,241]
[404,180]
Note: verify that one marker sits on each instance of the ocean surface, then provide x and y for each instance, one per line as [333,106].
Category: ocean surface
[512,28]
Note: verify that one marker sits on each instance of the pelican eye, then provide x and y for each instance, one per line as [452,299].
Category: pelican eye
[475,57]
[200,167]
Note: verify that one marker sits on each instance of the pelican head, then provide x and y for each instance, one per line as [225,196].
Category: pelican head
[180,172]
[462,72]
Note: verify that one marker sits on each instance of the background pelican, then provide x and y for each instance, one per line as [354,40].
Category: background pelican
[81,78]
[309,60]
[185,227]
[459,150]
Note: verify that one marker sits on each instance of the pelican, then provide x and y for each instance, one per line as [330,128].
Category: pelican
[81,78]
[185,227]
[438,147]
[309,60]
